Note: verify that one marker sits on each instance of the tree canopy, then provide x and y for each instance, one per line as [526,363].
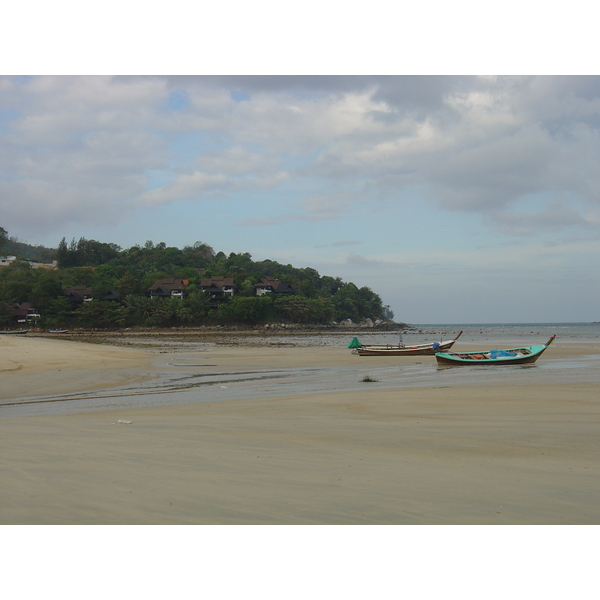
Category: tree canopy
[3,237]
[125,275]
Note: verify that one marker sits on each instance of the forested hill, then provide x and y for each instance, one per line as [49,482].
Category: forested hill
[126,275]
[11,246]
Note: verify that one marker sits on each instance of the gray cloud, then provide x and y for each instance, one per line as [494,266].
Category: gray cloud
[476,144]
[359,260]
[554,217]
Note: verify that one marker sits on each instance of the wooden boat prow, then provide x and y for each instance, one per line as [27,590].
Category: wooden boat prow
[510,356]
[402,349]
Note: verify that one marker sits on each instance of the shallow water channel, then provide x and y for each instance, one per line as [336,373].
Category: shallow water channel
[189,376]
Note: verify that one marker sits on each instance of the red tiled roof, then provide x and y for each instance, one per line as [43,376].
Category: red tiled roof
[218,281]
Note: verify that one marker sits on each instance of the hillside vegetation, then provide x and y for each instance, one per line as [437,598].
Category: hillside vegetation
[105,267]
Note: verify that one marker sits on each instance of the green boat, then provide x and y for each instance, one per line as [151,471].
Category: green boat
[511,356]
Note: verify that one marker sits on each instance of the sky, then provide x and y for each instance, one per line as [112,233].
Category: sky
[458,198]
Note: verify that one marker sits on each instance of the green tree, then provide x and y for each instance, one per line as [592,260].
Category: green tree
[138,309]
[132,271]
[3,237]
[244,309]
[200,255]
[199,304]
[97,313]
[58,313]
[295,308]
[164,312]
[128,285]
[183,313]
[16,282]
[62,254]
[46,288]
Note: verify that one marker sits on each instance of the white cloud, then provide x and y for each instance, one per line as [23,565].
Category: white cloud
[554,217]
[592,218]
[43,206]
[482,145]
[185,187]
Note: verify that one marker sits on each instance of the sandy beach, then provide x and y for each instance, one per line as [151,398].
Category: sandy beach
[475,454]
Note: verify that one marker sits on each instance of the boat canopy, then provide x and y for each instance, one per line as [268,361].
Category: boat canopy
[354,343]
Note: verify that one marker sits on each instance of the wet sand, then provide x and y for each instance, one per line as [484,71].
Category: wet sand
[500,454]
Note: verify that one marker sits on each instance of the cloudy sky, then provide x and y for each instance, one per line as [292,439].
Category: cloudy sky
[457,198]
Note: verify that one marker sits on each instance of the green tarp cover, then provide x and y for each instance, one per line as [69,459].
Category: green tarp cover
[354,343]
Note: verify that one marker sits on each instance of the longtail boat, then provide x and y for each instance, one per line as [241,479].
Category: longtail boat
[400,349]
[511,356]
[14,331]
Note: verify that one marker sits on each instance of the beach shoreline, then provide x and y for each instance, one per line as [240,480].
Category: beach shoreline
[443,454]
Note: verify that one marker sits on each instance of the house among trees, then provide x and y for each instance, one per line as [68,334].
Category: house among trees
[99,285]
[270,285]
[168,288]
[25,313]
[79,294]
[218,287]
[112,295]
[5,261]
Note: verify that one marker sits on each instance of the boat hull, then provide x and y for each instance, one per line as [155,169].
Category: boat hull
[452,360]
[511,356]
[421,350]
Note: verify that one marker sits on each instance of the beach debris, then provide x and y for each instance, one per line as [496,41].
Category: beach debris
[369,379]
[123,422]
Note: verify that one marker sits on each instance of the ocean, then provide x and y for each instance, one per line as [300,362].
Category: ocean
[519,333]
[478,333]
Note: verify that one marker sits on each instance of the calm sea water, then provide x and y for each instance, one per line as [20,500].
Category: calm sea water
[197,378]
[505,333]
[483,334]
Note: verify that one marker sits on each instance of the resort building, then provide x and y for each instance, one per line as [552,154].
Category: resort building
[25,313]
[168,288]
[79,294]
[270,285]
[218,287]
[7,260]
